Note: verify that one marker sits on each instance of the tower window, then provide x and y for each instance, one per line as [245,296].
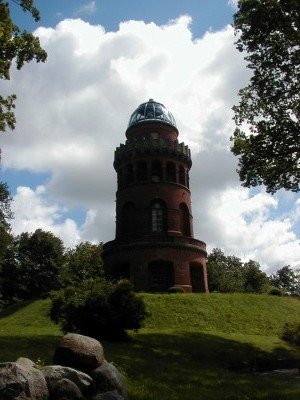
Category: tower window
[185,225]
[158,217]
[156,171]
[182,175]
[171,172]
[142,171]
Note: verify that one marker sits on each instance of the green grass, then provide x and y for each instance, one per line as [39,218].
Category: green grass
[192,347]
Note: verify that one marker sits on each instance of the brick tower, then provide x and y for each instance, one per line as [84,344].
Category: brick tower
[154,245]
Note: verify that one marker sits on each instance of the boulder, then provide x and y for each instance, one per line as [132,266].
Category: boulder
[25,362]
[54,373]
[64,389]
[107,378]
[113,395]
[79,351]
[19,382]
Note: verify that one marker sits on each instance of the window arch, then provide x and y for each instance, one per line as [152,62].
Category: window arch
[171,172]
[185,225]
[128,218]
[181,173]
[158,216]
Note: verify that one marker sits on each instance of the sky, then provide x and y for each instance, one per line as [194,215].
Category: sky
[105,57]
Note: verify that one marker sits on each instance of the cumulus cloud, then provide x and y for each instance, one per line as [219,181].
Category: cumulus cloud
[73,111]
[32,210]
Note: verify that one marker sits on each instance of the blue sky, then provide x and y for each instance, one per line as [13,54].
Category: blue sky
[104,59]
[206,14]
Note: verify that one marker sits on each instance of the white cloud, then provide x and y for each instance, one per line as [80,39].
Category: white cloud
[87,9]
[32,210]
[73,111]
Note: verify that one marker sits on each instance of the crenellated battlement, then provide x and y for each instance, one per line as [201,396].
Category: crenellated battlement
[152,147]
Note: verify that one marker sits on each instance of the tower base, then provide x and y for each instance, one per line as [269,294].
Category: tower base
[158,264]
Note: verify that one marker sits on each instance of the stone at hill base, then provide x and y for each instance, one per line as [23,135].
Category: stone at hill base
[19,382]
[107,378]
[64,389]
[54,373]
[79,351]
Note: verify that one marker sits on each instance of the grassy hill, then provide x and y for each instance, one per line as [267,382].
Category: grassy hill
[192,347]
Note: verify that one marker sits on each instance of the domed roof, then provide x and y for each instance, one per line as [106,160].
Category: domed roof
[151,111]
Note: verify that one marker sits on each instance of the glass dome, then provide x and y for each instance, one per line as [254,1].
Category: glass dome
[151,111]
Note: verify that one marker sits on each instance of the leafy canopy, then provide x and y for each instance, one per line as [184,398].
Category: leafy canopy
[266,138]
[15,45]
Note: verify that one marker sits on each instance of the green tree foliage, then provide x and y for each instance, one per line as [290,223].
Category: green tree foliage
[225,273]
[287,279]
[256,281]
[83,262]
[268,32]
[32,266]
[98,308]
[15,45]
[229,274]
[5,216]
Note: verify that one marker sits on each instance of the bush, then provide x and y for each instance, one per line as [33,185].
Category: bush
[98,308]
[176,289]
[291,333]
[274,291]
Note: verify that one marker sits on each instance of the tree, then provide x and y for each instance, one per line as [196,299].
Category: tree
[15,45]
[32,266]
[256,281]
[83,262]
[269,107]
[287,279]
[225,273]
[5,216]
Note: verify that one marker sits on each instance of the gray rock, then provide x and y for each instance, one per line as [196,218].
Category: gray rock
[113,395]
[64,389]
[54,373]
[25,362]
[79,351]
[22,383]
[107,377]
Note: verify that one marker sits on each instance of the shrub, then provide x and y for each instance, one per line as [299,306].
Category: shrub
[274,291]
[176,289]
[98,308]
[291,333]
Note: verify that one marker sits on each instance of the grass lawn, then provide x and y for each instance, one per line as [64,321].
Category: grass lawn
[192,347]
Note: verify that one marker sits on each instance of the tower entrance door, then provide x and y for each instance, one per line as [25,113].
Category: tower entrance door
[160,276]
[196,274]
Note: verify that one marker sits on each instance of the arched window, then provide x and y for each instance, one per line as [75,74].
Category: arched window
[185,225]
[128,218]
[181,173]
[142,173]
[156,171]
[158,217]
[171,172]
[128,174]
